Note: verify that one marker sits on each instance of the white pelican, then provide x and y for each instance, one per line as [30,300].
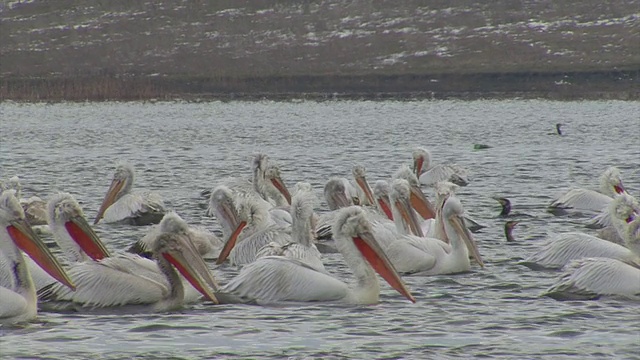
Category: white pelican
[337,197]
[35,209]
[559,250]
[365,195]
[19,300]
[276,279]
[207,243]
[589,200]
[418,199]
[429,175]
[128,279]
[255,230]
[381,190]
[121,206]
[301,246]
[590,278]
[276,190]
[429,256]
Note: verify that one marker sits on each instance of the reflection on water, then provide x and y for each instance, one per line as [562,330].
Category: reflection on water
[181,149]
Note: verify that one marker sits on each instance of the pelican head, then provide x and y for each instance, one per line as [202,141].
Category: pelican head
[65,214]
[421,160]
[624,208]
[336,194]
[179,251]
[259,164]
[400,197]
[13,186]
[611,182]
[221,205]
[272,174]
[352,226]
[508,230]
[381,190]
[302,186]
[506,205]
[120,186]
[249,212]
[359,173]
[14,224]
[418,200]
[453,212]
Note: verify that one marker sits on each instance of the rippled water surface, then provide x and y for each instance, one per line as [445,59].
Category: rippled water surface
[180,149]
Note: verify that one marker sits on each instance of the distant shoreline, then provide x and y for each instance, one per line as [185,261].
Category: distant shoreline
[561,86]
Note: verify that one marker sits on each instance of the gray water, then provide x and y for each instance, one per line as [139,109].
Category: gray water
[181,149]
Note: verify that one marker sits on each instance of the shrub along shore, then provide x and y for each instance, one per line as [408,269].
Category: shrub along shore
[589,85]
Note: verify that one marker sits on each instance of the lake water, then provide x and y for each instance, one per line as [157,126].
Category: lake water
[180,149]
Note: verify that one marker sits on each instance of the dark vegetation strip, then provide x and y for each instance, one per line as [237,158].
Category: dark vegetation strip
[621,85]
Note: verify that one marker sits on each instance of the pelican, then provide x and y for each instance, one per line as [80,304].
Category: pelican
[381,190]
[337,196]
[121,206]
[301,247]
[365,194]
[430,175]
[589,200]
[590,278]
[275,279]
[35,209]
[19,300]
[429,256]
[559,250]
[418,200]
[206,242]
[128,279]
[258,229]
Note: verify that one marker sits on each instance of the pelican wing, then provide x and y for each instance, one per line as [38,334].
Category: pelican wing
[134,205]
[280,216]
[561,249]
[245,250]
[296,251]
[274,279]
[582,199]
[13,304]
[592,277]
[35,210]
[444,172]
[114,281]
[408,257]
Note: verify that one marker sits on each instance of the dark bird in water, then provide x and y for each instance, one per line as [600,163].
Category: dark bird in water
[558,129]
[506,208]
[508,229]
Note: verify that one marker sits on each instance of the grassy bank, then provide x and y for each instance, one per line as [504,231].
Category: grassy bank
[621,85]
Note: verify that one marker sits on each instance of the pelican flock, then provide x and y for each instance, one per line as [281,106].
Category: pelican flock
[412,224]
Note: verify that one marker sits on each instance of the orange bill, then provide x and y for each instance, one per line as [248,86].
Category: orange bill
[417,166]
[465,235]
[374,255]
[279,184]
[231,243]
[27,240]
[86,238]
[421,204]
[184,264]
[409,218]
[364,185]
[386,208]
[109,198]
